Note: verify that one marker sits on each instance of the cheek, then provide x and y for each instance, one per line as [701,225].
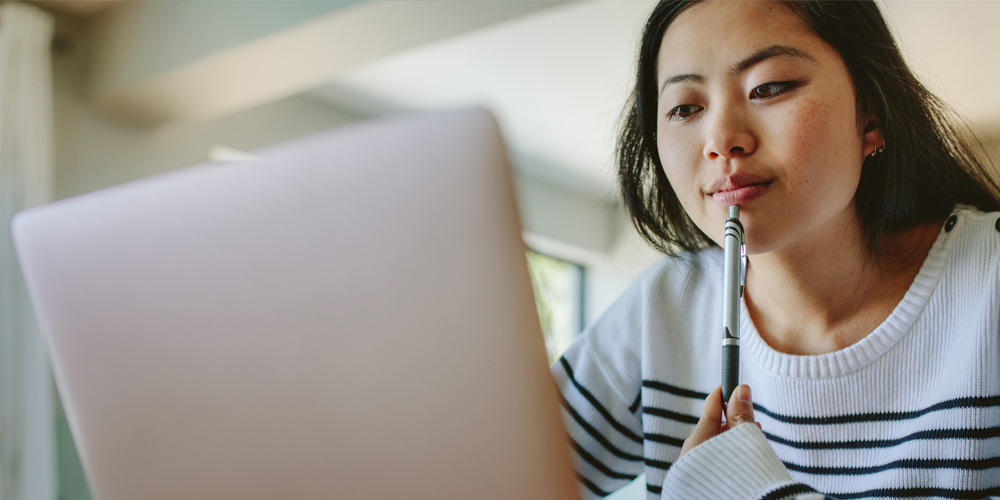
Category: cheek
[681,157]
[822,149]
[678,155]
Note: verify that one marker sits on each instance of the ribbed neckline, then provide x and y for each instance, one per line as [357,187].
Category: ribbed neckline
[868,349]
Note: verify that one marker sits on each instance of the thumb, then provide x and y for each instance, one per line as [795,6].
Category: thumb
[739,410]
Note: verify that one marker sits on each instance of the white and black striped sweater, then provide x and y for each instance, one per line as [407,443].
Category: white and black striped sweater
[910,411]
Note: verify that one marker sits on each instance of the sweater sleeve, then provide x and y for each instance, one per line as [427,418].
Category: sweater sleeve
[736,465]
[599,380]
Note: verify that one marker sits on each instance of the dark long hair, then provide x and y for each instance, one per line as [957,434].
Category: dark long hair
[927,168]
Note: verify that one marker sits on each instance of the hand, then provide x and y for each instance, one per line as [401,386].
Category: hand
[738,411]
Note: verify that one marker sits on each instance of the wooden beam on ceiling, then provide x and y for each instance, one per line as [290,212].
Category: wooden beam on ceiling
[79,9]
[156,62]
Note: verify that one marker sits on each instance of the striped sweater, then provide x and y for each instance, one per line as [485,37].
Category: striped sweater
[910,411]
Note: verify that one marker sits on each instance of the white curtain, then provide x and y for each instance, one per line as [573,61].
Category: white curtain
[27,400]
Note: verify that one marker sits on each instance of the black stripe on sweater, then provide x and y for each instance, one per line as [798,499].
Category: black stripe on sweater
[597,464]
[658,464]
[908,463]
[660,438]
[664,413]
[987,433]
[878,493]
[635,404]
[672,389]
[592,487]
[597,404]
[790,490]
[892,493]
[597,435]
[916,492]
[977,402]
[967,402]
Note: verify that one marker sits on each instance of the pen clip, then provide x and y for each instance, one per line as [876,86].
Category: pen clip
[743,266]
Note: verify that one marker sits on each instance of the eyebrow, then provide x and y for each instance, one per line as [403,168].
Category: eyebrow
[745,64]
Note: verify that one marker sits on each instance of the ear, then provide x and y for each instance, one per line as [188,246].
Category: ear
[872,137]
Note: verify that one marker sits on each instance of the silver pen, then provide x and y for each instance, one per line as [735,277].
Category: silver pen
[734,278]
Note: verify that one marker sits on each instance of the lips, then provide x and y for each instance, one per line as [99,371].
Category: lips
[739,196]
[738,188]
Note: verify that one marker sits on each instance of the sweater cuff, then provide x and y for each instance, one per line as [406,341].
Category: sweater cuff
[738,464]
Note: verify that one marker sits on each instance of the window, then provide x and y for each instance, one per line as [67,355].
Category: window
[559,296]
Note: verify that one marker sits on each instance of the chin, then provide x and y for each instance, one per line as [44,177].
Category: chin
[757,249]
[759,239]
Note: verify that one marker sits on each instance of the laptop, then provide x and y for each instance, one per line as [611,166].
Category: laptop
[347,316]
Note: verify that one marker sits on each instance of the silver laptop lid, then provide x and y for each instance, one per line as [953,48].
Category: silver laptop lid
[348,317]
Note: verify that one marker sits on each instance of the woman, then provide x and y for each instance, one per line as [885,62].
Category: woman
[871,313]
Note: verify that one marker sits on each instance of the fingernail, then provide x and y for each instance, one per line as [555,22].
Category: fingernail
[743,393]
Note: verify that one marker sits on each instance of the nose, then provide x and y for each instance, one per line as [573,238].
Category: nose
[729,135]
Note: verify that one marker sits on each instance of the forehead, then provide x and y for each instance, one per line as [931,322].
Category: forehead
[723,31]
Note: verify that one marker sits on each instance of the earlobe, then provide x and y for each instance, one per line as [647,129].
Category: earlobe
[874,142]
[875,146]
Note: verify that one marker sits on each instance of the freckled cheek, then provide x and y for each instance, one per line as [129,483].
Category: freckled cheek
[820,140]
[680,164]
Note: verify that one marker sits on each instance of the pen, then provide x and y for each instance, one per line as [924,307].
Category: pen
[734,278]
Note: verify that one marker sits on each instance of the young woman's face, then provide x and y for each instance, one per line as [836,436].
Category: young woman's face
[757,111]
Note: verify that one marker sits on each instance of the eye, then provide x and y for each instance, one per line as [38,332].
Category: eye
[683,111]
[769,90]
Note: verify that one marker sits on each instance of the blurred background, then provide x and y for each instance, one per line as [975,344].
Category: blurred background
[94,93]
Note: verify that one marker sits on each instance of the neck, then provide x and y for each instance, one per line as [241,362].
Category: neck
[825,292]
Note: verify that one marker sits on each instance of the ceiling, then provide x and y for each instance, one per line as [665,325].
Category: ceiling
[558,79]
[556,75]
[79,9]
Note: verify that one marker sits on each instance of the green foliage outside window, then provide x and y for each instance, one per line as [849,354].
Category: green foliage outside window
[554,282]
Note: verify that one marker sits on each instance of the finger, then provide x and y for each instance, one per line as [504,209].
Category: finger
[709,423]
[739,410]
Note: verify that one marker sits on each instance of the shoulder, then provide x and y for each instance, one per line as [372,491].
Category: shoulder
[671,290]
[663,298]
[975,239]
[972,223]
[968,253]
[678,275]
